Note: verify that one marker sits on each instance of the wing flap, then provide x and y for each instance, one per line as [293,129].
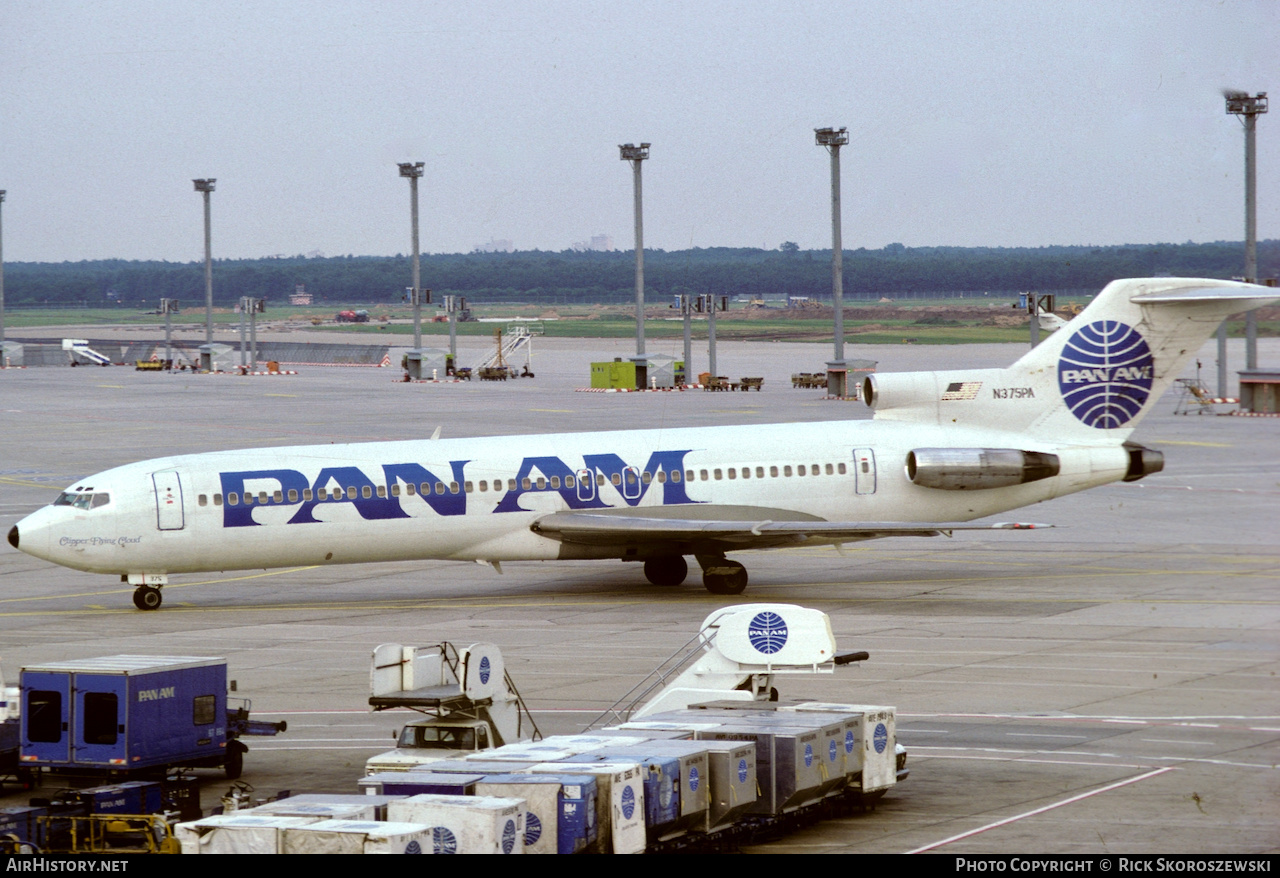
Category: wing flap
[604,529]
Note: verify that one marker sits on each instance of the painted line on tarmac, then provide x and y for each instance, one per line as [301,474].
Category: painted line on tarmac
[1008,820]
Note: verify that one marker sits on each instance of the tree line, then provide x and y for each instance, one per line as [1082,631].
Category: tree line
[574,277]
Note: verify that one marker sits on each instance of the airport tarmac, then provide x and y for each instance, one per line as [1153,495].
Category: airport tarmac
[1106,686]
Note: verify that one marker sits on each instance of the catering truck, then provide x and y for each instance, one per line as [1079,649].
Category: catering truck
[133,714]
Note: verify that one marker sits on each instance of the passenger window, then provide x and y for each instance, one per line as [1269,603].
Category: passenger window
[351,492]
[759,472]
[555,481]
[323,494]
[799,470]
[688,475]
[468,487]
[382,491]
[570,482]
[410,489]
[395,490]
[746,472]
[366,492]
[293,495]
[662,477]
[511,484]
[599,480]
[542,483]
[675,475]
[202,500]
[841,468]
[278,497]
[453,487]
[786,471]
[217,499]
[702,474]
[616,478]
[484,486]
[646,477]
[718,474]
[424,488]
[526,484]
[439,487]
[233,499]
[306,496]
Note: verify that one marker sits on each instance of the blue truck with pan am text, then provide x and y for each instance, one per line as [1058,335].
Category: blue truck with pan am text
[129,715]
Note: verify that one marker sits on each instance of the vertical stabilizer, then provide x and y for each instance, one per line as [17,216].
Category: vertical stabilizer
[1092,380]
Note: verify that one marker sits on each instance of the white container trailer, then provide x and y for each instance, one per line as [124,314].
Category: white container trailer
[237,833]
[358,837]
[620,806]
[466,824]
[877,741]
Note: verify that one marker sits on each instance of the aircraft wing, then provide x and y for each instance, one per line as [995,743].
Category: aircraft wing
[711,535]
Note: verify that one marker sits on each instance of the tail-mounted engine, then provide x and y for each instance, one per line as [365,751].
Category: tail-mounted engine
[1143,461]
[972,469]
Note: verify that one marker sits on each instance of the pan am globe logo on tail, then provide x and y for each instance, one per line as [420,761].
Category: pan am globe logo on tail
[767,632]
[1105,374]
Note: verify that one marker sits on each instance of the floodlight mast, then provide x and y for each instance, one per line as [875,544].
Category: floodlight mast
[205,187]
[833,139]
[637,154]
[1248,108]
[413,170]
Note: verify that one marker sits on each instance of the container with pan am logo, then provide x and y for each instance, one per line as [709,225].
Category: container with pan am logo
[465,824]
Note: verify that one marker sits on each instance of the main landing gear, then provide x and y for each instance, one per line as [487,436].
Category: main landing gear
[147,597]
[719,575]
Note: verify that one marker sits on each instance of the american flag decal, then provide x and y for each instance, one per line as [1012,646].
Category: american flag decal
[962,390]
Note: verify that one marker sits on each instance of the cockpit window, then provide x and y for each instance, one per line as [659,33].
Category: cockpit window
[82,500]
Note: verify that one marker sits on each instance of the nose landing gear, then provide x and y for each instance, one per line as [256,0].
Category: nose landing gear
[146,597]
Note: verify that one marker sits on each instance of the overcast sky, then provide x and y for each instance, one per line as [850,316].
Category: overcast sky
[971,123]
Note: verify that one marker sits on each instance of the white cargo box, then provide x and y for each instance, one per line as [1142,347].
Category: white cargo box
[358,837]
[466,824]
[877,740]
[320,810]
[237,833]
[619,802]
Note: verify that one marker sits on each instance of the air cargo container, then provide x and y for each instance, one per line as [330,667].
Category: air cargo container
[358,837]
[466,824]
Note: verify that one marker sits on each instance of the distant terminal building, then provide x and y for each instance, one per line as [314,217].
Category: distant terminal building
[601,243]
[496,245]
[300,296]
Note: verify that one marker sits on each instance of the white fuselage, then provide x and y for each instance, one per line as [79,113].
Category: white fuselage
[475,499]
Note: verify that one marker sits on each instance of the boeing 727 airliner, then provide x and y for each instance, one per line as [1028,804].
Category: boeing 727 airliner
[943,449]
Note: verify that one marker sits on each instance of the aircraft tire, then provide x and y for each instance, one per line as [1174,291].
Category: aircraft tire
[726,583]
[668,570]
[147,598]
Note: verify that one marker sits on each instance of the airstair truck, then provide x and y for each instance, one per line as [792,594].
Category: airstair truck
[132,714]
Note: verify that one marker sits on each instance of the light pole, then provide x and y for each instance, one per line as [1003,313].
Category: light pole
[837,374]
[205,187]
[413,170]
[637,154]
[2,194]
[1248,108]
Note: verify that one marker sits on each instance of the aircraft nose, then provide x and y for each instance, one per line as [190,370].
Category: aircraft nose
[13,536]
